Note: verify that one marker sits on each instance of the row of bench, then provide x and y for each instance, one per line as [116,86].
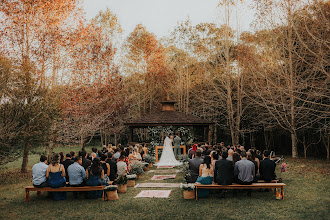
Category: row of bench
[260,185]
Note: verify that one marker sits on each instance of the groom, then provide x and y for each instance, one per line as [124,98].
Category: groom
[177,144]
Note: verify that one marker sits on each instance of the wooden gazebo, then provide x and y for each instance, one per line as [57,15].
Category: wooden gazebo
[169,117]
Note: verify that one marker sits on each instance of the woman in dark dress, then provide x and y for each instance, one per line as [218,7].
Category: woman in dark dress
[94,175]
[56,177]
[106,168]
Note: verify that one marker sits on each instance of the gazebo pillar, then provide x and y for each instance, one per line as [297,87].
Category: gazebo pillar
[131,134]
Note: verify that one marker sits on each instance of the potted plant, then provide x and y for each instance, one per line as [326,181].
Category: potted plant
[111,192]
[146,167]
[122,184]
[137,168]
[150,160]
[131,180]
[186,171]
[188,190]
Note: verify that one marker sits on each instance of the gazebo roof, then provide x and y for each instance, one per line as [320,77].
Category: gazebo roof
[168,116]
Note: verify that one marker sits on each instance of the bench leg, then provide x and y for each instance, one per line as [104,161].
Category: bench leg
[196,192]
[282,192]
[102,195]
[38,193]
[27,195]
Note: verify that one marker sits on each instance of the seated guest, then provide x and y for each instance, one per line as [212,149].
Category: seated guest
[85,162]
[39,171]
[224,171]
[117,154]
[205,176]
[254,158]
[121,166]
[68,161]
[106,168]
[236,157]
[249,157]
[56,176]
[77,175]
[93,156]
[244,170]
[94,150]
[104,150]
[258,155]
[230,154]
[194,166]
[214,158]
[113,167]
[94,175]
[267,168]
[73,155]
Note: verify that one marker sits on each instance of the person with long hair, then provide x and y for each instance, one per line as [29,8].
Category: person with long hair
[94,175]
[205,176]
[56,176]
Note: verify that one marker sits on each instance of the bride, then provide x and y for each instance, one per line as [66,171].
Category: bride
[168,158]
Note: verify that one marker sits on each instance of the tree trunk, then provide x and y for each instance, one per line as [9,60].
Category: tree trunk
[50,147]
[25,157]
[294,145]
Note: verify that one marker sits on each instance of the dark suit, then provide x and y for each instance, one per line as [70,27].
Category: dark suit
[194,168]
[86,162]
[66,164]
[224,172]
[267,170]
[113,169]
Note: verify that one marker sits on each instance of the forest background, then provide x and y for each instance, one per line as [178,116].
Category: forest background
[66,80]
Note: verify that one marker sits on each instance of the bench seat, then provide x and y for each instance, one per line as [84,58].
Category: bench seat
[258,185]
[62,189]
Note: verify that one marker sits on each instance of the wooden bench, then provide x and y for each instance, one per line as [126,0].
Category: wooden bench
[61,189]
[258,185]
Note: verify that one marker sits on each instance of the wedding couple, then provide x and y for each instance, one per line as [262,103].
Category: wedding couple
[168,158]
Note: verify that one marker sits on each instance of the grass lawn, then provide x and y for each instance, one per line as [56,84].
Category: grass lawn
[307,196]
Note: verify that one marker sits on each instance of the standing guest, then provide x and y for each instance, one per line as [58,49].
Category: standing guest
[68,161]
[77,174]
[194,166]
[56,177]
[85,162]
[106,168]
[267,168]
[94,175]
[121,166]
[224,172]
[39,171]
[73,155]
[230,154]
[145,150]
[244,170]
[117,154]
[113,167]
[205,176]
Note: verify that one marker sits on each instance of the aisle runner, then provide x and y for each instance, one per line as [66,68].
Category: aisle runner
[163,177]
[157,185]
[154,194]
[164,171]
[169,167]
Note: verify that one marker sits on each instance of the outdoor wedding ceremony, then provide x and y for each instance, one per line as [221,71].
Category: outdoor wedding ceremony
[153,109]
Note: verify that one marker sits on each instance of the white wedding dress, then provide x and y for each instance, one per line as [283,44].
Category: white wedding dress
[168,158]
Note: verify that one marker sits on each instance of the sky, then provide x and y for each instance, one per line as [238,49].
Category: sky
[161,16]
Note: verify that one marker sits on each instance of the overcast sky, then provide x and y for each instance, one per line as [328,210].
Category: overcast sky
[161,16]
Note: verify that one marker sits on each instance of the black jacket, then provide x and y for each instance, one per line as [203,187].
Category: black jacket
[267,170]
[66,164]
[113,169]
[86,162]
[224,172]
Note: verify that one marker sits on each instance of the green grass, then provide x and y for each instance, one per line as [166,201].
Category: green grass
[306,197]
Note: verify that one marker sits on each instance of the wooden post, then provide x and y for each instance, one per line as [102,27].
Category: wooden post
[208,134]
